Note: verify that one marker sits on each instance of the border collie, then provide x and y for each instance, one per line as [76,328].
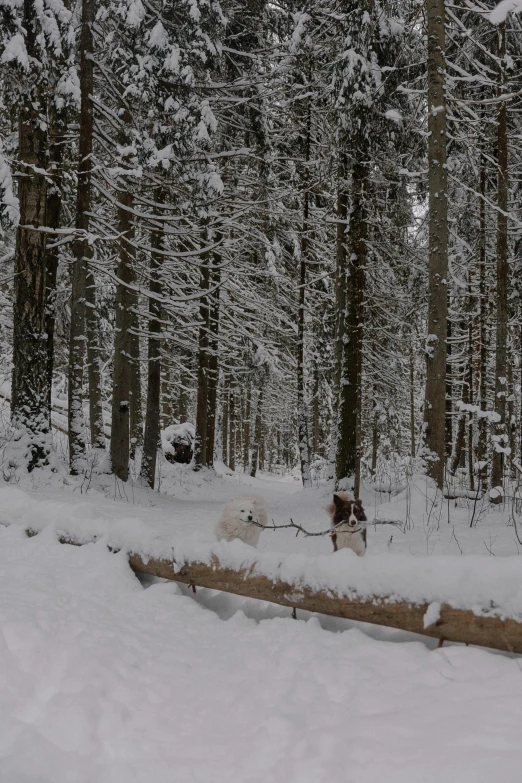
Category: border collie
[351,534]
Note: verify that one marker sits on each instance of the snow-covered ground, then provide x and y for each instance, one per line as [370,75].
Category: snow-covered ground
[108,679]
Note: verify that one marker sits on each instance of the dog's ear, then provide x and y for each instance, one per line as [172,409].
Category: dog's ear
[338,502]
[358,503]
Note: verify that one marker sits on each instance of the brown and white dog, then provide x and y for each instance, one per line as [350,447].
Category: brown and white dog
[348,514]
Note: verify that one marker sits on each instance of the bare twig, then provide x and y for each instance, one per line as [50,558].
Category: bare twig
[490,547]
[328,531]
[456,541]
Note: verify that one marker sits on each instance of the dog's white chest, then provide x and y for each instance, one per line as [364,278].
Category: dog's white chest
[354,541]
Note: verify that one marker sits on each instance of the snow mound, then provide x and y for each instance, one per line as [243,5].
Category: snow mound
[177,433]
[177,442]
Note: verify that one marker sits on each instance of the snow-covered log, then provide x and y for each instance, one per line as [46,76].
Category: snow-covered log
[440,621]
[457,625]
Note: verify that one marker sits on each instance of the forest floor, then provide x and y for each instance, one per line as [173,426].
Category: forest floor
[105,678]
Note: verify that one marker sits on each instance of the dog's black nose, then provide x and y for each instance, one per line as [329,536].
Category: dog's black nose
[250,517]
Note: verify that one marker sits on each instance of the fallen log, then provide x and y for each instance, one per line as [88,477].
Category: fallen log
[450,624]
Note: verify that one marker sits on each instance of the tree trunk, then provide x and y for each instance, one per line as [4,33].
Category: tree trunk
[213,359]
[434,408]
[81,248]
[315,411]
[232,430]
[501,437]
[470,386]
[302,418]
[511,422]
[340,296]
[246,426]
[121,387]
[200,450]
[262,448]
[224,421]
[520,409]
[57,132]
[135,412]
[448,404]
[257,435]
[412,402]
[482,472]
[375,433]
[152,418]
[458,454]
[30,384]
[166,394]
[94,365]
[350,397]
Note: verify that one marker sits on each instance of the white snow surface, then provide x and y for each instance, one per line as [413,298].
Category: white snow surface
[105,678]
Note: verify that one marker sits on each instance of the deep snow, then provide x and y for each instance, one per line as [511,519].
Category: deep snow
[108,679]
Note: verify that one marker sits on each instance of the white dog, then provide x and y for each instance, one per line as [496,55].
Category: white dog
[237,518]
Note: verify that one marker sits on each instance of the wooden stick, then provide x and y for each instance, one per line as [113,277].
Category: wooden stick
[328,531]
[453,625]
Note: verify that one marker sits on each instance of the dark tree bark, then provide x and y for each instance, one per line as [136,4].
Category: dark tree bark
[183,404]
[166,394]
[483,310]
[232,429]
[302,418]
[30,384]
[501,436]
[213,359]
[457,458]
[246,425]
[224,420]
[255,463]
[84,207]
[350,391]
[135,412]
[448,422]
[315,411]
[94,365]
[434,408]
[375,432]
[470,378]
[57,135]
[121,387]
[412,402]
[340,296]
[152,418]
[81,248]
[200,450]
[511,422]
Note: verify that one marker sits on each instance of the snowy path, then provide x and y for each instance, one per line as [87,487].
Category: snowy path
[103,681]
